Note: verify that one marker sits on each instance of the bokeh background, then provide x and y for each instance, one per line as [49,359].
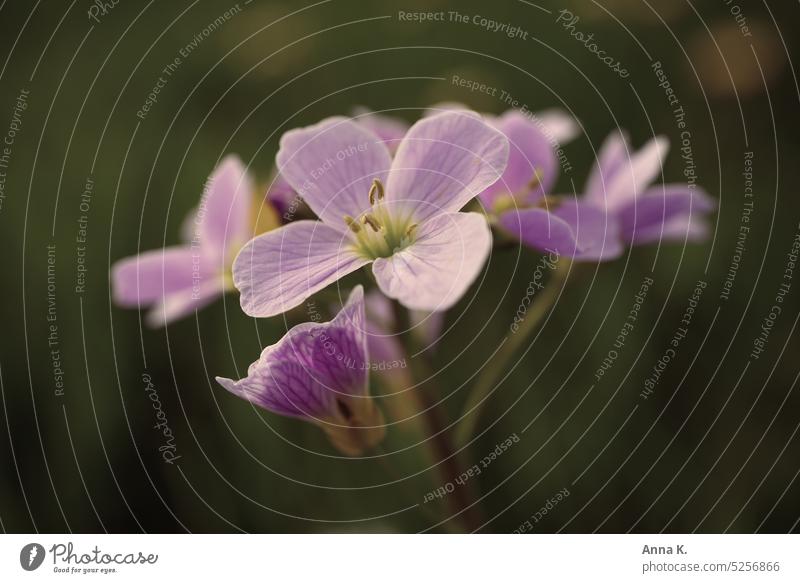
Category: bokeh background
[714,449]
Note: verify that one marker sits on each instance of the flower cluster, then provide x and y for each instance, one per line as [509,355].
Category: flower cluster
[419,207]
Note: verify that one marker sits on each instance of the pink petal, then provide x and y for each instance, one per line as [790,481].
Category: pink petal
[280,269]
[597,232]
[542,230]
[222,220]
[665,212]
[635,173]
[609,159]
[557,125]
[435,271]
[444,161]
[148,278]
[332,165]
[530,151]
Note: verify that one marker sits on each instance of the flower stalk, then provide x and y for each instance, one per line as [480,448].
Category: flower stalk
[462,502]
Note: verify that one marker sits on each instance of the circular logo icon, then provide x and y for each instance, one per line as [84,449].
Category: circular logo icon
[31,556]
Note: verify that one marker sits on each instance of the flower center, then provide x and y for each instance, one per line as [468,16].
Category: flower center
[381,231]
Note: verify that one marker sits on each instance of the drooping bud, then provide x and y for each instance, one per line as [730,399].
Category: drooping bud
[357,427]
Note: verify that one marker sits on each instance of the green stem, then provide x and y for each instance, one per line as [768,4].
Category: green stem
[462,500]
[488,379]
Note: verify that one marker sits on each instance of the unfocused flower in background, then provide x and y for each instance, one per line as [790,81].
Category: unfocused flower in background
[424,252]
[176,281]
[319,373]
[619,207]
[388,128]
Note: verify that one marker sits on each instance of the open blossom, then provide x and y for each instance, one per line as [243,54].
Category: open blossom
[401,215]
[619,208]
[176,281]
[319,373]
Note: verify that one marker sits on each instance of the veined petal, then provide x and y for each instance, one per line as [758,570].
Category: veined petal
[280,269]
[532,163]
[311,367]
[318,372]
[150,277]
[222,220]
[435,271]
[444,161]
[673,205]
[332,165]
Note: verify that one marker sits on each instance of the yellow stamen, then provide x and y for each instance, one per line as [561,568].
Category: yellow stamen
[376,191]
[370,220]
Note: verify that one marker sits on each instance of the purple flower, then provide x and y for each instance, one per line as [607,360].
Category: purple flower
[319,373]
[424,252]
[619,207]
[176,281]
[388,128]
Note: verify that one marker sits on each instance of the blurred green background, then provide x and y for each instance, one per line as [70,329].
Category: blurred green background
[713,449]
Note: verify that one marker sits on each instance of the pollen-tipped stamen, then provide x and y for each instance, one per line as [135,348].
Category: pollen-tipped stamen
[352,223]
[376,192]
[370,220]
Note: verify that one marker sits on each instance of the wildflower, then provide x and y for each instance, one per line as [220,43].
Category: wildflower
[176,281]
[319,373]
[619,207]
[399,215]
